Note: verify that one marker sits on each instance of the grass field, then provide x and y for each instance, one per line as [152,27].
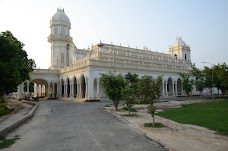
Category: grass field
[212,115]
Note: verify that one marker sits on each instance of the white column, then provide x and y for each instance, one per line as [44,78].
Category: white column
[53,90]
[86,90]
[48,91]
[22,86]
[37,90]
[28,87]
[79,90]
[90,89]
[41,90]
[98,88]
[59,90]
[173,83]
[66,90]
[72,90]
[166,90]
[163,89]
[176,93]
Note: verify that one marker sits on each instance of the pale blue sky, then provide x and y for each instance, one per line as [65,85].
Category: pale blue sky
[203,24]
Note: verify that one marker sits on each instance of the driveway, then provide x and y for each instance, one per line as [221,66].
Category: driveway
[69,126]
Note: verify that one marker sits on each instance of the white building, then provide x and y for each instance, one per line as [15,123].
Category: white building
[75,73]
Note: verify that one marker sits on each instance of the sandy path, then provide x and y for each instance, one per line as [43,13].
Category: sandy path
[176,136]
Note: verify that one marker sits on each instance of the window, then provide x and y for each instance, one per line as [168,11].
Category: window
[56,30]
[185,56]
[62,57]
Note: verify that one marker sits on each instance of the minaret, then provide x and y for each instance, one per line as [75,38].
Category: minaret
[180,50]
[60,39]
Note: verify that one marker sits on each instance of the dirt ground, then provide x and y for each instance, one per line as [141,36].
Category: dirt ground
[175,136]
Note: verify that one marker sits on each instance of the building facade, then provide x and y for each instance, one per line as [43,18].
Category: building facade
[75,73]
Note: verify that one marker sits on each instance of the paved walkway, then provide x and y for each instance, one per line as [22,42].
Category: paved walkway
[68,126]
[8,120]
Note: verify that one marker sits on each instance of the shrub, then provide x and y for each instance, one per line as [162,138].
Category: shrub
[157,125]
[131,109]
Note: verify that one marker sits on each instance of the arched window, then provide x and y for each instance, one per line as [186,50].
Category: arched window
[175,56]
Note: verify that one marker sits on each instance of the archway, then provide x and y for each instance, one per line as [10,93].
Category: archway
[51,90]
[75,87]
[83,86]
[41,87]
[179,87]
[170,87]
[68,87]
[62,83]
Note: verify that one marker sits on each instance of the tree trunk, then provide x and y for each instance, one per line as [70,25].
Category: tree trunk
[116,105]
[153,120]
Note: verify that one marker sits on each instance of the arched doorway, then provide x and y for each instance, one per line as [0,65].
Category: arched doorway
[68,87]
[83,86]
[62,83]
[75,87]
[179,87]
[170,87]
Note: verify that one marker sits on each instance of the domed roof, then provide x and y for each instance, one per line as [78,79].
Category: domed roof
[60,16]
[179,42]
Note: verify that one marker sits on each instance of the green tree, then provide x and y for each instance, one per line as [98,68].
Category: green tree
[158,87]
[187,83]
[148,91]
[113,86]
[130,92]
[14,64]
[220,77]
[199,77]
[208,77]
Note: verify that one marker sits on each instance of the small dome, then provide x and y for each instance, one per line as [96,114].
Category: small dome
[60,16]
[179,42]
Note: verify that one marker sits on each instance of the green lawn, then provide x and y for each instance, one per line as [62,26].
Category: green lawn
[3,111]
[210,115]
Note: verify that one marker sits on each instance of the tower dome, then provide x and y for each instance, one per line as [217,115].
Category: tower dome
[179,42]
[60,18]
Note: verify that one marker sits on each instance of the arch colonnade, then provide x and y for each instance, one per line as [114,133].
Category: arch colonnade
[85,88]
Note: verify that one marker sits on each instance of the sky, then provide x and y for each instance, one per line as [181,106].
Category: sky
[202,24]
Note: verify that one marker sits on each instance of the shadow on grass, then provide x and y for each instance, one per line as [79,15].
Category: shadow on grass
[6,143]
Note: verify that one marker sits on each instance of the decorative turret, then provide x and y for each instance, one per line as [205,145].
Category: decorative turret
[180,50]
[60,39]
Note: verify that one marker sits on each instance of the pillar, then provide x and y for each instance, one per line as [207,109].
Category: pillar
[79,90]
[72,89]
[176,93]
[48,91]
[173,83]
[86,90]
[163,89]
[166,90]
[98,88]
[66,89]
[53,90]
[28,87]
